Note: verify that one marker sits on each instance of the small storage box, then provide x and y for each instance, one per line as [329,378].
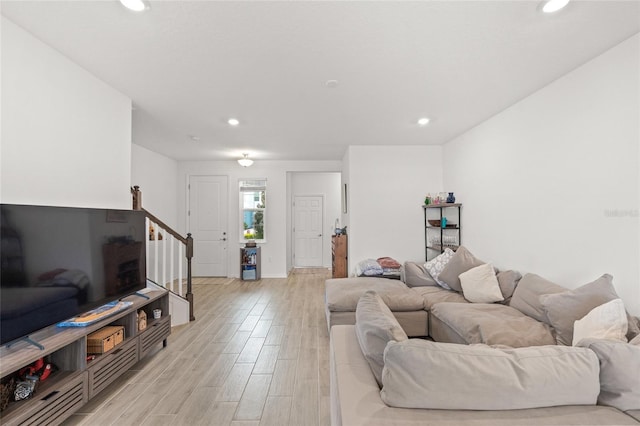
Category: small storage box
[105,339]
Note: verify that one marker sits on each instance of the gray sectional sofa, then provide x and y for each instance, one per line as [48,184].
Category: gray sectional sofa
[533,313]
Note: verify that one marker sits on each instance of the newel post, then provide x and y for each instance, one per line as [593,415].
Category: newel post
[189,292]
[137,197]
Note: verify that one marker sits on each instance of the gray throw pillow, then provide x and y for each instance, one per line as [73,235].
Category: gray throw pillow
[634,327]
[375,327]
[508,281]
[526,297]
[423,374]
[460,263]
[416,275]
[619,373]
[563,309]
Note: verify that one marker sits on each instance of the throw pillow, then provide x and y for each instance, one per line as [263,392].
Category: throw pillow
[563,309]
[375,327]
[619,378]
[634,326]
[607,321]
[437,264]
[508,281]
[422,374]
[480,285]
[526,297]
[416,275]
[461,262]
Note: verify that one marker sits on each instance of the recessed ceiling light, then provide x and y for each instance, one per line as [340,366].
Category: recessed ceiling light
[194,138]
[233,121]
[423,121]
[135,5]
[554,5]
[331,84]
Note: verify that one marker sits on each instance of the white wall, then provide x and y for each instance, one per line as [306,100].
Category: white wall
[66,136]
[274,251]
[551,184]
[386,187]
[157,177]
[327,185]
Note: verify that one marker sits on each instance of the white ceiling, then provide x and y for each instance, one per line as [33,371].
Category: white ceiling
[190,65]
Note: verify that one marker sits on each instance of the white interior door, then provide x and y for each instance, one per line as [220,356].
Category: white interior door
[307,231]
[208,225]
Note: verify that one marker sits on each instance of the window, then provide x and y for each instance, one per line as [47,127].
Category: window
[252,209]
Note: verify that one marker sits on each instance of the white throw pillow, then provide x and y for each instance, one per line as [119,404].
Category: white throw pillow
[480,285]
[607,321]
[437,264]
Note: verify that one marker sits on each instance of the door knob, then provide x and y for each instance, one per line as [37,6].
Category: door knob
[224,239]
[319,235]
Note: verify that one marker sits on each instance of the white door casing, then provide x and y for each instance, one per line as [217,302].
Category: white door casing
[308,230]
[207,223]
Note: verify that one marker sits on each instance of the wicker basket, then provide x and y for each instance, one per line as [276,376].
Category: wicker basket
[7,388]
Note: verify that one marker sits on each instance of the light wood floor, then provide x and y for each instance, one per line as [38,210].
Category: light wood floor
[257,354]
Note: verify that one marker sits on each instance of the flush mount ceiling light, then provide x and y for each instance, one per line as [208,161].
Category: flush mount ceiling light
[551,6]
[423,121]
[245,161]
[135,5]
[233,122]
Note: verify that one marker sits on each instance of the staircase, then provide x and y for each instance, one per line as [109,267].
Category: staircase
[169,257]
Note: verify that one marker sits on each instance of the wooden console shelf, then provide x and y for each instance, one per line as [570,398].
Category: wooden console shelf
[339,265]
[78,380]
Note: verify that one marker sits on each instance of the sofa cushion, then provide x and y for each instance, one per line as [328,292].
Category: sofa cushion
[480,285]
[508,281]
[619,372]
[526,297]
[562,309]
[423,374]
[375,327]
[433,295]
[342,294]
[492,324]
[607,321]
[437,264]
[461,262]
[416,275]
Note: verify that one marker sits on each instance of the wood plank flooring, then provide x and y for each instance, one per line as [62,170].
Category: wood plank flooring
[257,354]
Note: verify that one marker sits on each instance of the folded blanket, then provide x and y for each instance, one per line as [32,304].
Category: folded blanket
[368,267]
[387,262]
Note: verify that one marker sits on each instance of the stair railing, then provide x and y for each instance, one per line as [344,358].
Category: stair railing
[162,238]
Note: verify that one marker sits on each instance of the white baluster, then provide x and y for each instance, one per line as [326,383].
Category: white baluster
[173,259]
[155,251]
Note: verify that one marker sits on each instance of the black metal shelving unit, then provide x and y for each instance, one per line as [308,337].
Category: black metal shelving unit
[453,230]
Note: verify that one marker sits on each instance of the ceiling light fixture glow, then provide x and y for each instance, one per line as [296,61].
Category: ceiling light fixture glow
[245,161]
[423,121]
[233,121]
[135,5]
[554,5]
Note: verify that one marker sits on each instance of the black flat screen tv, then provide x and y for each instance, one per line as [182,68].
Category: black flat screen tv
[58,262]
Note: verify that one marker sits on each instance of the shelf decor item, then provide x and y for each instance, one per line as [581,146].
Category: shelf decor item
[451,198]
[142,319]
